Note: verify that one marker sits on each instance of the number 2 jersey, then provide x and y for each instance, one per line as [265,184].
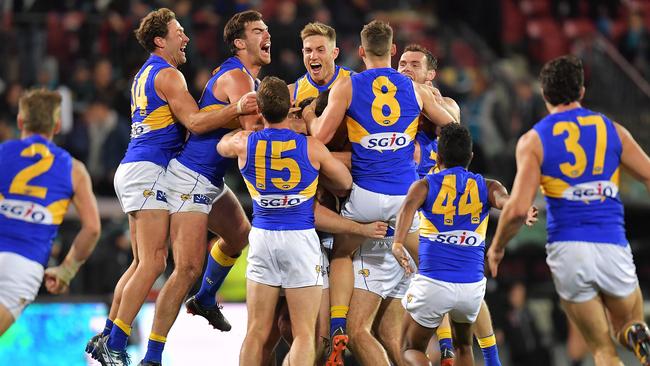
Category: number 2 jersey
[280,179]
[453,223]
[382,122]
[35,190]
[580,177]
[155,135]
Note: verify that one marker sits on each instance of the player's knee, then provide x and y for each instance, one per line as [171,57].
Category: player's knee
[189,271]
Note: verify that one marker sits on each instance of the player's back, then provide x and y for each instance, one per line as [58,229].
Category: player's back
[453,227]
[382,121]
[428,154]
[155,134]
[199,152]
[280,179]
[580,177]
[35,190]
[305,87]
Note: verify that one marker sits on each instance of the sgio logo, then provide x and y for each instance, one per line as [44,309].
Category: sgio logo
[25,211]
[138,129]
[386,141]
[591,191]
[280,201]
[458,237]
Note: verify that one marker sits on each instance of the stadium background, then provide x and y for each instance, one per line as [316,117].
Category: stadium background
[489,53]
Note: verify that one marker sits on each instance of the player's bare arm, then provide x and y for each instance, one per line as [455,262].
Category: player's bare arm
[324,127]
[431,108]
[416,196]
[515,211]
[236,85]
[330,222]
[234,144]
[171,85]
[57,279]
[498,196]
[334,175]
[633,158]
[345,157]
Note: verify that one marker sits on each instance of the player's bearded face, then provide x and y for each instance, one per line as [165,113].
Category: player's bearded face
[318,55]
[258,42]
[414,66]
[176,41]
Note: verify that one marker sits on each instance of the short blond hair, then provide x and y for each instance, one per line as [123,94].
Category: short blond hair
[377,38]
[318,29]
[39,110]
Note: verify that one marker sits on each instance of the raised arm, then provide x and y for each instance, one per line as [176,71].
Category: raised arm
[324,127]
[432,108]
[633,158]
[414,199]
[171,85]
[234,144]
[529,159]
[336,175]
[57,279]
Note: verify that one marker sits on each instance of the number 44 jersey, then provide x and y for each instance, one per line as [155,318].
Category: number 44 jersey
[35,190]
[580,177]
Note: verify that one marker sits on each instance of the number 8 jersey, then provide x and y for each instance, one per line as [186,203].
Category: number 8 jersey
[35,190]
[454,219]
[580,177]
[382,122]
[280,179]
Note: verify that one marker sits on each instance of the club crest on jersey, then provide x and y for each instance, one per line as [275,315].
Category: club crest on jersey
[138,129]
[365,272]
[280,200]
[591,191]
[148,193]
[385,141]
[185,197]
[457,237]
[409,298]
[25,211]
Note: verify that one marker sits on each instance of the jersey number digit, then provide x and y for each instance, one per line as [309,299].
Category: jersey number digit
[573,146]
[278,163]
[385,91]
[138,92]
[469,204]
[19,183]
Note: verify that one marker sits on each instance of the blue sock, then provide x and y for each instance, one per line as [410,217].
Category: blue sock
[219,265]
[444,337]
[119,336]
[155,348]
[338,314]
[445,343]
[490,350]
[107,327]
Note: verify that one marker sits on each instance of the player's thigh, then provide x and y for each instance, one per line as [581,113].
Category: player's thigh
[261,301]
[363,310]
[462,333]
[6,319]
[188,236]
[591,320]
[228,219]
[20,279]
[623,310]
[414,335]
[152,229]
[388,322]
[304,304]
[483,325]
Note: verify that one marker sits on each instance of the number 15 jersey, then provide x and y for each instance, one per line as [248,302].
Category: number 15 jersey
[580,177]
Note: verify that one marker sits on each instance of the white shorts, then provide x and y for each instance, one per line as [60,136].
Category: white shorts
[367,206]
[376,270]
[140,186]
[581,270]
[428,300]
[189,191]
[288,258]
[20,279]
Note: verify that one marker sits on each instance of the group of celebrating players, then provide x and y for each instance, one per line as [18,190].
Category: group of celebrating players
[376,161]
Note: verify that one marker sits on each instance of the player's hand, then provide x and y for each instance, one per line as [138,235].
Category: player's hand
[531,217]
[247,104]
[53,282]
[494,257]
[374,230]
[402,258]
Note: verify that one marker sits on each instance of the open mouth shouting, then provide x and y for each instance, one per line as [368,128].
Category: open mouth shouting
[266,49]
[183,49]
[316,67]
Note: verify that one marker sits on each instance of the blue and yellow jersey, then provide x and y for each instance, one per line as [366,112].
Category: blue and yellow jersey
[382,122]
[428,154]
[35,190]
[454,219]
[155,134]
[200,151]
[305,87]
[280,179]
[580,177]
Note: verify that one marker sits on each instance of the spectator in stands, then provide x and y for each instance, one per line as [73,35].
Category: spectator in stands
[635,43]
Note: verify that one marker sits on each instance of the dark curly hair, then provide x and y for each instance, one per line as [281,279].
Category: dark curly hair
[454,146]
[562,80]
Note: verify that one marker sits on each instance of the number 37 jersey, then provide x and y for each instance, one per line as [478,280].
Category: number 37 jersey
[580,177]
[35,190]
[453,223]
[280,179]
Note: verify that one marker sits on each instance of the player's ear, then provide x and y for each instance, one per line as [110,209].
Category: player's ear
[57,126]
[362,52]
[240,44]
[582,93]
[159,42]
[20,122]
[431,74]
[393,49]
[335,52]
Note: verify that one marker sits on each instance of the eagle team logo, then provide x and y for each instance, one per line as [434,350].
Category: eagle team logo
[364,272]
[185,197]
[409,298]
[148,193]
